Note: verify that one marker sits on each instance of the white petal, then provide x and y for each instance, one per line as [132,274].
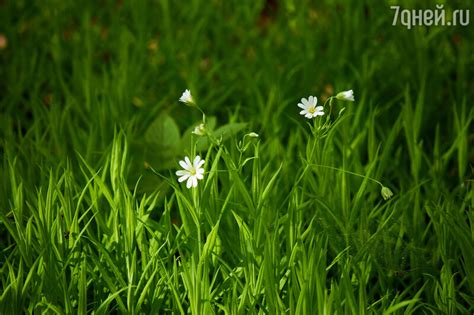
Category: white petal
[184,165]
[319,108]
[186,97]
[301,106]
[183,178]
[199,176]
[318,114]
[189,182]
[200,171]
[315,99]
[195,181]
[181,172]
[311,99]
[305,102]
[303,112]
[187,161]
[308,115]
[200,164]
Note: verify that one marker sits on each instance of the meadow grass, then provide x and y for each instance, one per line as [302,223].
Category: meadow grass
[93,219]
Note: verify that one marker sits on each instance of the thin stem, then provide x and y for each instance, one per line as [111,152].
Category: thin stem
[348,172]
[197,207]
[329,99]
[197,280]
[202,112]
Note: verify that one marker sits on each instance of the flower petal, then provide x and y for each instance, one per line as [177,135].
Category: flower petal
[319,108]
[189,182]
[187,160]
[186,97]
[301,106]
[182,172]
[311,99]
[200,164]
[183,178]
[184,165]
[195,181]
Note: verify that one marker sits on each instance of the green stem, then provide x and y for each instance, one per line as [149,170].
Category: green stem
[203,114]
[197,280]
[348,172]
[197,208]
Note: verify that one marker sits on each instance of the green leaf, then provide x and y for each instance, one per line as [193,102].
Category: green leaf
[162,143]
[163,135]
[228,130]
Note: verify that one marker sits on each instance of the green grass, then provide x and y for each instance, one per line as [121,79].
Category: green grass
[93,219]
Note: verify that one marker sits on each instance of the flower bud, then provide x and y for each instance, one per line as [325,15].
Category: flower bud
[187,98]
[386,193]
[346,96]
[199,130]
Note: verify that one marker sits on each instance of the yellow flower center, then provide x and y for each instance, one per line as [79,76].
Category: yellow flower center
[192,171]
[311,110]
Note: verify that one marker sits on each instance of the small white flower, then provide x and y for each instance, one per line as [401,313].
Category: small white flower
[191,171]
[253,135]
[199,130]
[346,96]
[187,98]
[310,110]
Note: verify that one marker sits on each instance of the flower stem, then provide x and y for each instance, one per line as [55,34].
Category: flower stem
[348,172]
[197,207]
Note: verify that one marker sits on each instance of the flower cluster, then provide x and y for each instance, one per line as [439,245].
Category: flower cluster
[310,110]
[192,172]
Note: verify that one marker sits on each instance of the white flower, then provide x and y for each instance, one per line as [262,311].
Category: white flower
[187,98]
[346,96]
[191,171]
[310,110]
[199,130]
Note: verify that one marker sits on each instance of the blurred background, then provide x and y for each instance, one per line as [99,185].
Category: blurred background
[70,71]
